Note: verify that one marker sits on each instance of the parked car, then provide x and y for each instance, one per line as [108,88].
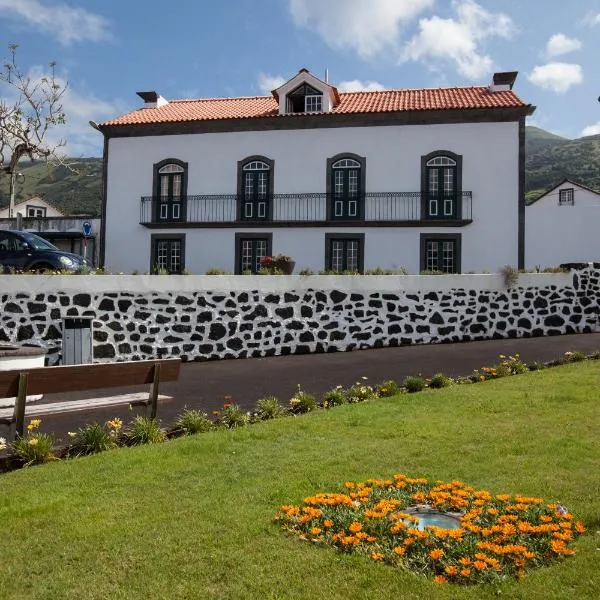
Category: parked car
[25,251]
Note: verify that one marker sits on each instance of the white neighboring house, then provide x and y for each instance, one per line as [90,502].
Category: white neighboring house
[425,179]
[563,226]
[35,207]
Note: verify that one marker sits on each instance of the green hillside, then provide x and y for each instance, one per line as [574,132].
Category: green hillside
[550,158]
[76,189]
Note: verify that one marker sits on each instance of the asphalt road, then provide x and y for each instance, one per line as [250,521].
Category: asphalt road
[203,385]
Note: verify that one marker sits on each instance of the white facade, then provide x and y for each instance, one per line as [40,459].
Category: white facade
[33,207]
[562,226]
[490,170]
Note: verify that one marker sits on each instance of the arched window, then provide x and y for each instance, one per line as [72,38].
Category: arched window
[255,188]
[345,185]
[441,185]
[170,189]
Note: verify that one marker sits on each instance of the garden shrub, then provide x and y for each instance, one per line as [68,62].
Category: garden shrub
[302,402]
[334,397]
[414,383]
[574,356]
[360,392]
[34,448]
[439,380]
[192,421]
[94,438]
[387,388]
[233,416]
[144,430]
[268,408]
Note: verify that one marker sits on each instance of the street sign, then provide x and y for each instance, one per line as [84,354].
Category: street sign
[87,229]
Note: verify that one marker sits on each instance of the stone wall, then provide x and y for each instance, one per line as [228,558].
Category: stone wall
[204,317]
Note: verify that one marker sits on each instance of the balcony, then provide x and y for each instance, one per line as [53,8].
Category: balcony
[392,209]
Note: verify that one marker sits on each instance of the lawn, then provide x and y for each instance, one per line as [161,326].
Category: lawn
[193,518]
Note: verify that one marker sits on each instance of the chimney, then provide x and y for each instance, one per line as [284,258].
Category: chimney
[152,99]
[503,82]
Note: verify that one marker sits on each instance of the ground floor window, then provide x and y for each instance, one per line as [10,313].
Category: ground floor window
[250,248]
[168,254]
[344,252]
[440,252]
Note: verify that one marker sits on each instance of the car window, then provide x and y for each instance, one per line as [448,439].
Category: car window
[38,242]
[11,243]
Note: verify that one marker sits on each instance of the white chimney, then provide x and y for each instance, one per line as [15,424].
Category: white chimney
[152,99]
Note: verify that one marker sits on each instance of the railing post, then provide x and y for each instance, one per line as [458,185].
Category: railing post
[20,401]
[153,399]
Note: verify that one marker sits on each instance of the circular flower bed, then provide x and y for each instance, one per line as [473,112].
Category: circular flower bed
[500,535]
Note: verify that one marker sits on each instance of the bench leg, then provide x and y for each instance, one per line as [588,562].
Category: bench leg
[20,400]
[153,399]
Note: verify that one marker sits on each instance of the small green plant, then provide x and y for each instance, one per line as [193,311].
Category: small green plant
[91,439]
[439,380]
[513,364]
[192,421]
[302,402]
[217,271]
[380,271]
[510,275]
[536,366]
[267,408]
[414,383]
[306,272]
[432,272]
[144,430]
[360,392]
[387,388]
[334,397]
[34,448]
[232,416]
[574,356]
[595,355]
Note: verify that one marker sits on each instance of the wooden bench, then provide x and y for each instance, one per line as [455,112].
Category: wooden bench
[56,380]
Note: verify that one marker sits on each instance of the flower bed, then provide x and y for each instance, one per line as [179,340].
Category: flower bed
[500,535]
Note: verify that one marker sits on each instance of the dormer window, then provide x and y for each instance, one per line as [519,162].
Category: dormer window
[305,99]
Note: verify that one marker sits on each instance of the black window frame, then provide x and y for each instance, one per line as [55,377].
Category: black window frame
[241,189]
[566,197]
[157,199]
[345,237]
[456,196]
[456,238]
[254,236]
[296,99]
[330,189]
[155,238]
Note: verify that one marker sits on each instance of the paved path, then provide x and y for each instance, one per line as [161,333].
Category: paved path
[203,385]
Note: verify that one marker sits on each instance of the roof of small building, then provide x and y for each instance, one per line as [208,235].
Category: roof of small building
[557,185]
[384,101]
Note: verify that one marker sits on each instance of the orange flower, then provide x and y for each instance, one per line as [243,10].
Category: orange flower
[377,556]
[451,570]
[480,565]
[315,531]
[465,572]
[399,550]
[440,579]
[355,527]
[436,553]
[327,523]
[465,560]
[579,527]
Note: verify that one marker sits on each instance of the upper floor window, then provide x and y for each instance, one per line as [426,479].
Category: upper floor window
[36,211]
[170,189]
[346,180]
[441,183]
[255,181]
[566,197]
[305,98]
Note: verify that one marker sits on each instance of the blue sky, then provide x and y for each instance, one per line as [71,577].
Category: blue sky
[110,49]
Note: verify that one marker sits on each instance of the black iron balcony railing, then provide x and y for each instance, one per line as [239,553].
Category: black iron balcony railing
[309,208]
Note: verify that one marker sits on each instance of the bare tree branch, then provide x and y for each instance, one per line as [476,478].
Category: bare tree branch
[28,112]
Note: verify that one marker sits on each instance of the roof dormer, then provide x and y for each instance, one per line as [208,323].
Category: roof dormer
[305,93]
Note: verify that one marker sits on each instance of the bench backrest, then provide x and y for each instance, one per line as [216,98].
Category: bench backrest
[72,378]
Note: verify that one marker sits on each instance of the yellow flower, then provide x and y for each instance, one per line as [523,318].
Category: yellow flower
[33,441]
[315,531]
[436,553]
[71,434]
[355,527]
[399,550]
[377,556]
[328,523]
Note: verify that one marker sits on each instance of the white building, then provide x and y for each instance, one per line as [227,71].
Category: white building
[562,226]
[34,207]
[421,179]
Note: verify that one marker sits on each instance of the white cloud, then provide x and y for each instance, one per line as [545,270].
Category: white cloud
[268,83]
[557,77]
[591,129]
[560,44]
[356,85]
[459,39]
[592,19]
[366,26]
[66,23]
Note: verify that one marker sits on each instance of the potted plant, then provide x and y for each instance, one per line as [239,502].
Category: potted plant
[280,264]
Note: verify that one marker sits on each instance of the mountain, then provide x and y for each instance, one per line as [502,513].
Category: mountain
[551,158]
[77,189]
[73,189]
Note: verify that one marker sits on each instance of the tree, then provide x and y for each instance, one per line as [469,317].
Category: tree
[29,110]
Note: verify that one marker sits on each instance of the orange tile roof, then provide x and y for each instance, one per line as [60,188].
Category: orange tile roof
[463,98]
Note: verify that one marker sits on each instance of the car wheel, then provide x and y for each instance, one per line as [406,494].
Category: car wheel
[43,269]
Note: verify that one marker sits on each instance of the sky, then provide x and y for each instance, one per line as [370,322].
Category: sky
[107,50]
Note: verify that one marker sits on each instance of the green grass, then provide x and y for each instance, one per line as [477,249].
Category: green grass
[193,518]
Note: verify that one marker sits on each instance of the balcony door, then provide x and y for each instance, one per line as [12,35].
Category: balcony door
[441,188]
[256,192]
[171,200]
